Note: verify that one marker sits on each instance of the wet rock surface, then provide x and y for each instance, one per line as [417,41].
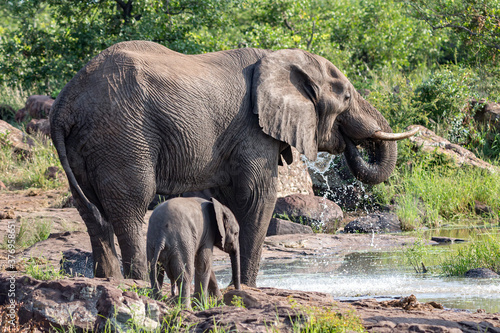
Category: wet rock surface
[481,273]
[375,222]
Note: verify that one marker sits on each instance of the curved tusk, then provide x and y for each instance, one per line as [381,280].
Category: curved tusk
[379,135]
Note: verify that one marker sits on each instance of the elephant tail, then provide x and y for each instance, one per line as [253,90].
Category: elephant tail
[58,138]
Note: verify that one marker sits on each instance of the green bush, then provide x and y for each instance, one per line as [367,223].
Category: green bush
[380,34]
[444,98]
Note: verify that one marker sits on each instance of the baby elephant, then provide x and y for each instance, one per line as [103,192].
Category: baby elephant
[181,236]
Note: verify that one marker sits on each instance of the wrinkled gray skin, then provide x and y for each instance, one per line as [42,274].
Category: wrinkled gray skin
[181,235]
[141,119]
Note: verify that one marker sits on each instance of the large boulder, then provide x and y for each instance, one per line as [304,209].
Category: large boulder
[487,113]
[318,212]
[294,178]
[85,304]
[428,141]
[9,135]
[37,106]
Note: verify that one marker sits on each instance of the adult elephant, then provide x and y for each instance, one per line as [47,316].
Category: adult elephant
[141,119]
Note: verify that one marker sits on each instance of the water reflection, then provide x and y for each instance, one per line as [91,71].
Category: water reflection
[374,274]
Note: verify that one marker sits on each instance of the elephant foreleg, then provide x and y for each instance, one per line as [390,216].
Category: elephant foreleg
[213,287]
[253,229]
[252,201]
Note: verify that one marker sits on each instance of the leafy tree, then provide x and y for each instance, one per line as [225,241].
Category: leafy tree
[54,38]
[476,25]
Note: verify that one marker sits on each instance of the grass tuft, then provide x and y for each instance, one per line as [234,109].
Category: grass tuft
[19,171]
[482,252]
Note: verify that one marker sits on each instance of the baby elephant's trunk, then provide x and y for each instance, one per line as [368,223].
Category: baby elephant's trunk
[235,265]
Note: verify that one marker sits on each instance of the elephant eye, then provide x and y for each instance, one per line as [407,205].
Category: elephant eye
[347,96]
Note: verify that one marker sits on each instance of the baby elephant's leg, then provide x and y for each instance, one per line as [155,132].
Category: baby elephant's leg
[213,287]
[182,274]
[202,275]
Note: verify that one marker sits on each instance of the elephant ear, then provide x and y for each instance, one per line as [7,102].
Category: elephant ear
[284,96]
[219,217]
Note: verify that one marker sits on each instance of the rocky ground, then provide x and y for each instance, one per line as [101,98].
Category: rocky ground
[87,301]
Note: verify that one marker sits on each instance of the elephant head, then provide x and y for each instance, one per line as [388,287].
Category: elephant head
[229,230]
[305,101]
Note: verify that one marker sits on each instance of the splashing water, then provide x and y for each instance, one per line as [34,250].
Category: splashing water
[333,179]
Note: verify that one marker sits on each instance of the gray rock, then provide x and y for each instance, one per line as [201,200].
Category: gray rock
[376,222]
[77,262]
[283,227]
[487,114]
[14,137]
[447,240]
[37,106]
[481,273]
[101,304]
[427,141]
[38,126]
[294,178]
[317,212]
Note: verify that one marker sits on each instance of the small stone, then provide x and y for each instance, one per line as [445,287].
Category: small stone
[7,214]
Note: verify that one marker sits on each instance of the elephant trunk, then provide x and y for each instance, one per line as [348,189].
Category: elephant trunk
[382,157]
[365,125]
[235,265]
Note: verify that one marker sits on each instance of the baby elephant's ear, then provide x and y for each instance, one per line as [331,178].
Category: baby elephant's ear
[219,216]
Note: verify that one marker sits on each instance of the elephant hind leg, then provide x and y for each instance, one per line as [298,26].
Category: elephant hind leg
[126,206]
[106,263]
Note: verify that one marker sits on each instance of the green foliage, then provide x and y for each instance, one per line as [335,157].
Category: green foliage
[444,98]
[53,40]
[430,192]
[380,34]
[414,255]
[474,26]
[238,301]
[482,252]
[40,269]
[206,302]
[394,96]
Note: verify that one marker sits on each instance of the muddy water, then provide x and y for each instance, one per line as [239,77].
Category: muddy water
[381,275]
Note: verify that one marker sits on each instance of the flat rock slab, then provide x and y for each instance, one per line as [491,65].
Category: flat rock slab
[94,303]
